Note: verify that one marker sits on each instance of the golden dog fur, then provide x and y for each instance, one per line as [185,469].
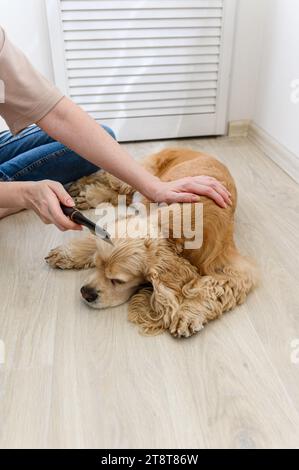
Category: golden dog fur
[208,281]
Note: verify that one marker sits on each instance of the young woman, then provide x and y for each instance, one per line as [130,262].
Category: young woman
[65,144]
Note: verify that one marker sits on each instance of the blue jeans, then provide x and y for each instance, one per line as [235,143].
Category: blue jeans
[32,155]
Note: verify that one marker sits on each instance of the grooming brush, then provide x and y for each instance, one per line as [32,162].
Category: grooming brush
[80,219]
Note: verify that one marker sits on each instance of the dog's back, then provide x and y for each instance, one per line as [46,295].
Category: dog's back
[218,223]
[174,163]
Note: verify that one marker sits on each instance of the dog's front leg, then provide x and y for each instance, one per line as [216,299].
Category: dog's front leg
[184,322]
[187,321]
[207,299]
[77,254]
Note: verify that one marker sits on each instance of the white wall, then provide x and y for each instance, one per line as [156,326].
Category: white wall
[246,58]
[265,63]
[26,23]
[274,111]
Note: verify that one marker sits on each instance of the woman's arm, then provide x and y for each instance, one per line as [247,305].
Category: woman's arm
[73,127]
[31,96]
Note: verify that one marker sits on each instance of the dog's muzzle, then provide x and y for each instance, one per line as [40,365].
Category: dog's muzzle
[89,294]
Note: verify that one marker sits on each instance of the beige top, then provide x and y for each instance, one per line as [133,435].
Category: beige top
[25,95]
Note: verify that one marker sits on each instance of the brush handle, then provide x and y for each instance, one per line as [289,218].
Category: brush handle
[77,217]
[68,211]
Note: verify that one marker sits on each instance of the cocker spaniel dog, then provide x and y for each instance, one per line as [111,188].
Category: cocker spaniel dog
[169,285]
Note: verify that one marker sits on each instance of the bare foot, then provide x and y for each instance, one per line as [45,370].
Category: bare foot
[4,212]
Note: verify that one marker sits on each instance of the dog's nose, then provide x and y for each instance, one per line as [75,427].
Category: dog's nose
[89,293]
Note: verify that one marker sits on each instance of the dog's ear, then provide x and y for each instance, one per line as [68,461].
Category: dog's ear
[169,275]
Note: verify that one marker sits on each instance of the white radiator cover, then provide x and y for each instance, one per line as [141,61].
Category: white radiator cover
[150,69]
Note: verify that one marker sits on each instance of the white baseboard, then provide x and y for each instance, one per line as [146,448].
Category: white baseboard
[283,157]
[238,128]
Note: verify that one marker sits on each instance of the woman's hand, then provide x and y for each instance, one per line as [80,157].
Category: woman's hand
[44,197]
[190,189]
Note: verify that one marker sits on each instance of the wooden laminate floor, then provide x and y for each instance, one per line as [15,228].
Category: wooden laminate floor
[76,377]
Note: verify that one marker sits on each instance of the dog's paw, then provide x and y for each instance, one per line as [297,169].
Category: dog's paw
[75,188]
[184,326]
[78,191]
[82,203]
[79,197]
[57,258]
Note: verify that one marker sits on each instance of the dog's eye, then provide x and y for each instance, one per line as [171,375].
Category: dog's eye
[116,282]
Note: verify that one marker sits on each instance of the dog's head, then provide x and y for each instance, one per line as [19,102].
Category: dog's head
[120,270]
[123,270]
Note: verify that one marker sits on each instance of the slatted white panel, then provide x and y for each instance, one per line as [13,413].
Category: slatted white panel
[147,68]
